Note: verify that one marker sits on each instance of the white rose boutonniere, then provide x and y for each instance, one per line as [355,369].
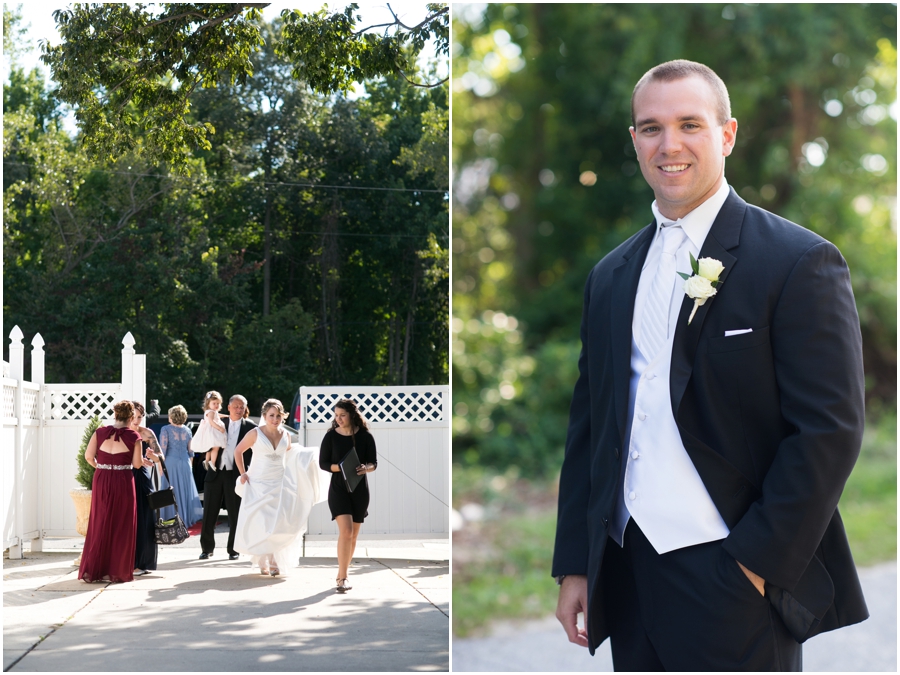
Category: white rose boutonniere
[701,285]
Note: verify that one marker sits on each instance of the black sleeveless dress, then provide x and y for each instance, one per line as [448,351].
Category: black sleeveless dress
[145,547]
[333,449]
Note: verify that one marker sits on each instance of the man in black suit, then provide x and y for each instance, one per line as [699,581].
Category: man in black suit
[713,426]
[219,485]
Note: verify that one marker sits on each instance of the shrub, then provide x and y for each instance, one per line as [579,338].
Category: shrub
[85,475]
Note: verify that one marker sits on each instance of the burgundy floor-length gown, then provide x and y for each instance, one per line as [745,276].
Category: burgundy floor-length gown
[109,544]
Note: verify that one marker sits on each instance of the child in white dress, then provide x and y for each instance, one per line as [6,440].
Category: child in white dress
[210,436]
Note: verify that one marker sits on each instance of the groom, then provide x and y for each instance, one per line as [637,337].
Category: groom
[219,484]
[706,453]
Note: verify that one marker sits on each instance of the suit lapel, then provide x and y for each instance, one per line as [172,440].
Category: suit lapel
[624,288]
[724,234]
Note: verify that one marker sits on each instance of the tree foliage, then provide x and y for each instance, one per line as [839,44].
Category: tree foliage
[330,53]
[546,181]
[304,246]
[130,71]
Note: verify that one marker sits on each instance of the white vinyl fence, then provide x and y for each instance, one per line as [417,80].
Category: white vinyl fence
[43,425]
[42,429]
[410,490]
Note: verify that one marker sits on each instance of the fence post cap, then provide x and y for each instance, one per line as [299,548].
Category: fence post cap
[16,334]
[128,341]
[37,340]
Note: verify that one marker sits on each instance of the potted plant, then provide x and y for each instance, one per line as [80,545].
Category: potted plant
[85,477]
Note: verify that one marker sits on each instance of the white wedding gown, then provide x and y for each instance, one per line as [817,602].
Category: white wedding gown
[284,484]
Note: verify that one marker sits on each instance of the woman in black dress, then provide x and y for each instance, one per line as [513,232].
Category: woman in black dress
[145,547]
[348,430]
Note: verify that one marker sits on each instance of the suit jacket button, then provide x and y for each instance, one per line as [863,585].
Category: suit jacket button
[605,522]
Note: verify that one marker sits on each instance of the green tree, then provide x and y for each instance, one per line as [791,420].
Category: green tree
[269,356]
[130,71]
[13,32]
[307,216]
[333,188]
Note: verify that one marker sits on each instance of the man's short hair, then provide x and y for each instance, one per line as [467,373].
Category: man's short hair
[238,396]
[680,69]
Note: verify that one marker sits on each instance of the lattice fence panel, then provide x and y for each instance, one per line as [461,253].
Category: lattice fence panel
[30,404]
[392,407]
[79,405]
[9,401]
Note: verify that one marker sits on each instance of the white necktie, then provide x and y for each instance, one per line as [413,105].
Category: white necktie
[655,321]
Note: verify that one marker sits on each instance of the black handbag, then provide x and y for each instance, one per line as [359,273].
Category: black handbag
[168,532]
[161,498]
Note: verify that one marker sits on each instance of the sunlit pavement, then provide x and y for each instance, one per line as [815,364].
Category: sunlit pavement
[222,615]
[542,645]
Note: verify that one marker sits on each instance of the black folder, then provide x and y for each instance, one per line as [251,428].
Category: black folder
[348,470]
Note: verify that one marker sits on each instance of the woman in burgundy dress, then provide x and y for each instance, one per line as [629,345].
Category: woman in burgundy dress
[109,545]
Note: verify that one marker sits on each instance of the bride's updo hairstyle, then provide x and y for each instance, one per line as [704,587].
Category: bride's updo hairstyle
[268,405]
[356,420]
[124,411]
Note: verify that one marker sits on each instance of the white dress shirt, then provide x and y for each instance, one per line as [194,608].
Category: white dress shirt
[660,487]
[228,452]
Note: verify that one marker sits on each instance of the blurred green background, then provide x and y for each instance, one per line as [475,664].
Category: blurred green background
[546,183]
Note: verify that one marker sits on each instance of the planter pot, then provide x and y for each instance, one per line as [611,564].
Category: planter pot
[82,499]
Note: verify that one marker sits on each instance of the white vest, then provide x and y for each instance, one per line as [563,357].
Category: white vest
[662,490]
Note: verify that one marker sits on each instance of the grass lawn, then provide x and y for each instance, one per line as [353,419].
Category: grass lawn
[509,577]
[501,565]
[869,503]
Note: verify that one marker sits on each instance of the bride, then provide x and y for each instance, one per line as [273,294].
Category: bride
[277,493]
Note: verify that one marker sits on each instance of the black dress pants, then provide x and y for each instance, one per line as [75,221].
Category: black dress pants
[692,609]
[219,488]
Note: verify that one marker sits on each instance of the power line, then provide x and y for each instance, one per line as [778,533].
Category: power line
[264,183]
[338,324]
[382,457]
[355,234]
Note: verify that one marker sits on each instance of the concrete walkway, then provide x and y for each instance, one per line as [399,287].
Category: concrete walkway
[542,645]
[221,615]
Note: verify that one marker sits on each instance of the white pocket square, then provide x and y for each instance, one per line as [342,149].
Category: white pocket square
[739,331]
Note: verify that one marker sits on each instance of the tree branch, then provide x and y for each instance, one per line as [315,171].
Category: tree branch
[398,22]
[427,19]
[423,86]
[238,8]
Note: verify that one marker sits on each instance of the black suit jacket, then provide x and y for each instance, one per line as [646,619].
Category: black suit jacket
[246,425]
[771,419]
